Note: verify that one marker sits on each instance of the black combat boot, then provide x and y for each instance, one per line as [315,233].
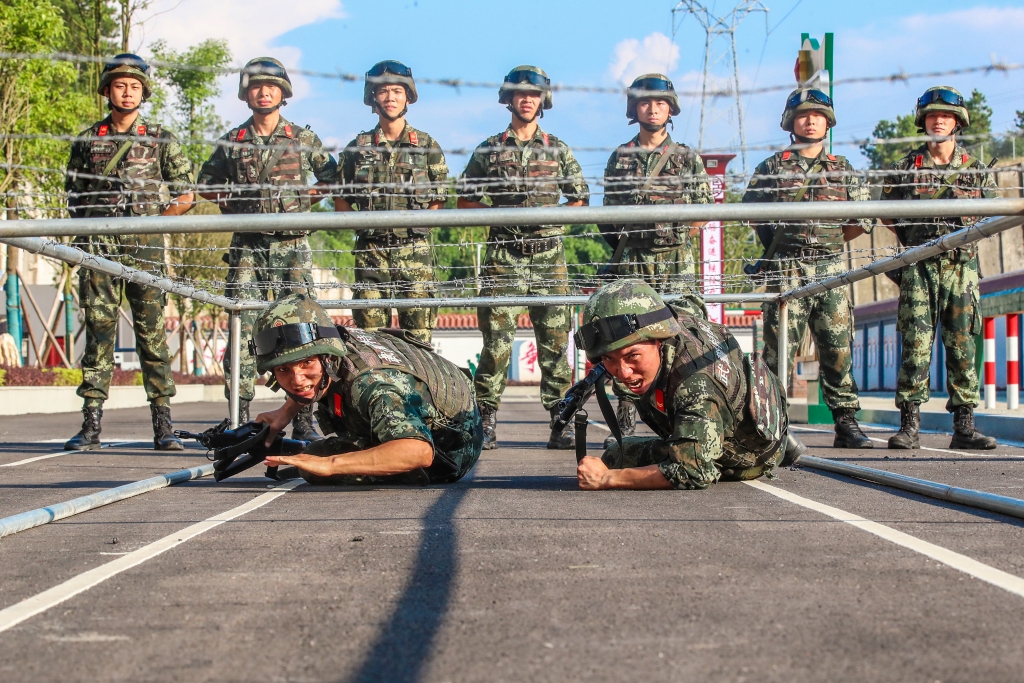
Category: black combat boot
[163,431]
[489,416]
[625,415]
[302,425]
[564,440]
[910,426]
[964,433]
[89,438]
[848,432]
[243,411]
[795,450]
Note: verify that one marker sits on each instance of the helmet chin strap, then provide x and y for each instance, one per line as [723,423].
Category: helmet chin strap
[793,137]
[380,112]
[538,115]
[327,375]
[652,127]
[263,111]
[122,110]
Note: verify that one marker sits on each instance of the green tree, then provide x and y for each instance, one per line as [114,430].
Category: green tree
[182,97]
[91,30]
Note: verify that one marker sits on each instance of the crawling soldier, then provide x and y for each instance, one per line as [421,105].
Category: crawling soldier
[717,413]
[400,413]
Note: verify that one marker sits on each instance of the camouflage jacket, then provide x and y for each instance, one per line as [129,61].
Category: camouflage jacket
[511,172]
[683,180]
[391,386]
[716,411]
[381,175]
[134,186]
[781,177]
[919,177]
[244,156]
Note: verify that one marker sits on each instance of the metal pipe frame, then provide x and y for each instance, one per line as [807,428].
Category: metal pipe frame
[520,301]
[235,342]
[783,336]
[953,240]
[554,215]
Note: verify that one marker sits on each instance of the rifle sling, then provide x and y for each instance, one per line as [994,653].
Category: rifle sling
[580,420]
[770,252]
[108,169]
[268,168]
[620,249]
[609,414]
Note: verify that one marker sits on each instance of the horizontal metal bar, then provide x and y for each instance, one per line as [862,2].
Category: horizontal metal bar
[77,257]
[519,301]
[977,499]
[33,518]
[554,215]
[943,244]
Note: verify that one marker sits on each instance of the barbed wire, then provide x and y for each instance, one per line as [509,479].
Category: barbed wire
[897,77]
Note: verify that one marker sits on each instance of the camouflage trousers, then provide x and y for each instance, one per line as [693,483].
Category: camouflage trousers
[101,295]
[507,273]
[402,272]
[670,271]
[830,318]
[641,451]
[941,290]
[263,267]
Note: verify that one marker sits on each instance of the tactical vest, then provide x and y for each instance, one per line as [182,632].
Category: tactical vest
[135,189]
[925,182]
[245,165]
[752,393]
[831,188]
[671,186]
[537,183]
[389,181]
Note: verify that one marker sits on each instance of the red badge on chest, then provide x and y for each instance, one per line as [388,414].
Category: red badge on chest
[659,400]
[337,406]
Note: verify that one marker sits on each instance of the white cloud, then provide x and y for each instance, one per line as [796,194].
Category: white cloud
[632,57]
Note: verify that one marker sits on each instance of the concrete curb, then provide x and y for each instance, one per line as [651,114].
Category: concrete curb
[38,517]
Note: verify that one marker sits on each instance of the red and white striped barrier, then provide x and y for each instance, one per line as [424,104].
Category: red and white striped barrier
[1012,362]
[990,362]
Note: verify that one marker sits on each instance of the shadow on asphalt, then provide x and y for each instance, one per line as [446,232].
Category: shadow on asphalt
[406,641]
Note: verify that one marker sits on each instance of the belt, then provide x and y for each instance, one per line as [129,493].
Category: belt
[528,246]
[390,239]
[809,253]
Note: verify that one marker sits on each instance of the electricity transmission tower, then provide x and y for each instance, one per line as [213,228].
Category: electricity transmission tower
[716,30]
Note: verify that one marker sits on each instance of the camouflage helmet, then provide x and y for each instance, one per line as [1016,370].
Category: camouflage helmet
[525,78]
[293,328]
[126,65]
[389,72]
[264,70]
[942,98]
[623,313]
[807,99]
[651,86]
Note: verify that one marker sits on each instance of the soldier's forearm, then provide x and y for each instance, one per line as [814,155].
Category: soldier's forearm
[636,478]
[852,231]
[180,205]
[578,202]
[468,204]
[393,457]
[436,204]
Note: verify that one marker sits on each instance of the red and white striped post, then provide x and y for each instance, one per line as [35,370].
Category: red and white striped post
[990,362]
[1012,362]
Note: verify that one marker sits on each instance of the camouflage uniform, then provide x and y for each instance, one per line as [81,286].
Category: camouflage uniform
[810,251]
[718,414]
[394,387]
[524,260]
[397,262]
[154,160]
[660,254]
[944,288]
[261,264]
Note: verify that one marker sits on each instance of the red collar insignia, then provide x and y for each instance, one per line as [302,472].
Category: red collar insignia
[337,406]
[504,136]
[919,161]
[786,155]
[103,130]
[288,131]
[659,400]
[412,137]
[141,130]
[241,135]
[546,141]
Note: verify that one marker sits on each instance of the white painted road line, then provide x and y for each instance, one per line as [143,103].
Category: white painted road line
[977,454]
[60,453]
[971,567]
[37,604]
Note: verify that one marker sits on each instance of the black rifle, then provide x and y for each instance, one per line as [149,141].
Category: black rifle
[236,450]
[571,407]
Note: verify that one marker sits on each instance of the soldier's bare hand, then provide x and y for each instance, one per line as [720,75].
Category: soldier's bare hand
[592,474]
[313,464]
[277,419]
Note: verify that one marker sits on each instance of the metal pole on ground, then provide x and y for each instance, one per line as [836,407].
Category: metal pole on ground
[235,341]
[990,363]
[1012,361]
[783,337]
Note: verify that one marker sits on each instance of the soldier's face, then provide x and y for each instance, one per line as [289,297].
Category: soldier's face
[301,377]
[125,93]
[811,124]
[654,112]
[264,95]
[939,123]
[635,366]
[527,104]
[391,98]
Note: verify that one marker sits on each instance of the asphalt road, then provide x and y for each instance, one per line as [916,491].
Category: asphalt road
[510,575]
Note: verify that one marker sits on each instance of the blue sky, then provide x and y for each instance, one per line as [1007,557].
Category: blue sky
[599,42]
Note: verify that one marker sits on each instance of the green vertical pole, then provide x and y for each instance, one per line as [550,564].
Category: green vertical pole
[829,37]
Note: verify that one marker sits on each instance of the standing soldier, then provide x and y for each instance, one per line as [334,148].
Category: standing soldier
[118,168]
[652,169]
[797,253]
[524,166]
[394,166]
[271,159]
[944,288]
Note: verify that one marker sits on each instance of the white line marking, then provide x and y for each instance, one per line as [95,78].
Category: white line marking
[979,454]
[60,453]
[971,567]
[29,607]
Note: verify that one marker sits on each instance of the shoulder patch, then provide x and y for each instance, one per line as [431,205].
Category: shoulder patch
[966,158]
[241,135]
[722,371]
[786,155]
[919,161]
[104,129]
[831,157]
[659,399]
